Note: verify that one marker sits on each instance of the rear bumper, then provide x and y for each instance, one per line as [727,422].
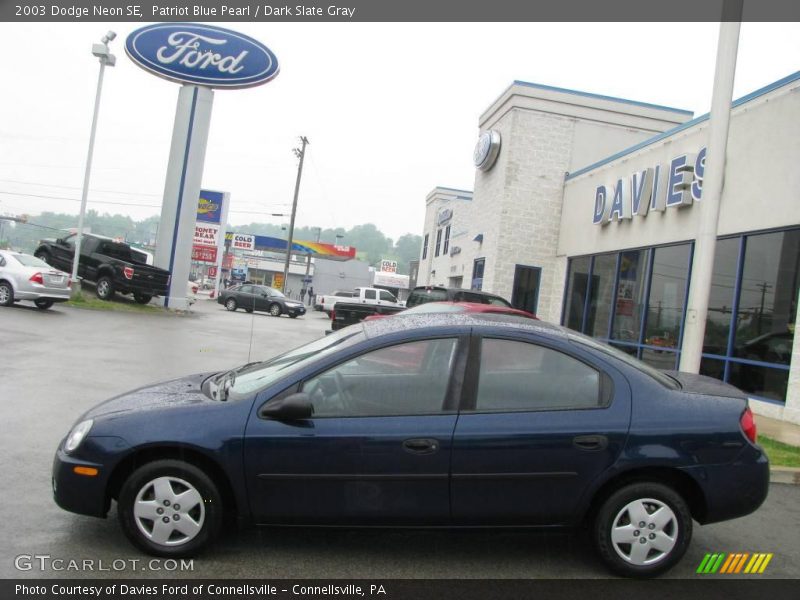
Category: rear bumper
[733,490]
[41,292]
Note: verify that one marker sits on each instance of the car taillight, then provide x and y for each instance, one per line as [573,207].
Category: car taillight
[748,424]
[37,278]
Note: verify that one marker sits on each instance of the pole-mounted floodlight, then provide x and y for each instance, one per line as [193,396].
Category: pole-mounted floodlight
[102,52]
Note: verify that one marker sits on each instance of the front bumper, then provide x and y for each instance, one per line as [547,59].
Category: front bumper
[82,494]
[297,311]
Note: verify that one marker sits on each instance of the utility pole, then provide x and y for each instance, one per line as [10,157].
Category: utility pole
[301,154]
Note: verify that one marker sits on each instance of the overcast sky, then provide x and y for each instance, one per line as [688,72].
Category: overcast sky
[391,110]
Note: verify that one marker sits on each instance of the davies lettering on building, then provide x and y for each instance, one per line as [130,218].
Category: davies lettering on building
[676,184]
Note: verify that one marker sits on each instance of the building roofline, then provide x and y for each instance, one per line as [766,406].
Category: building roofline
[683,126]
[552,88]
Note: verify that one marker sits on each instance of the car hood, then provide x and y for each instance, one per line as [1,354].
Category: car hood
[709,386]
[185,391]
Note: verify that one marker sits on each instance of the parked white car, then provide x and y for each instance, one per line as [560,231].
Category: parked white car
[25,277]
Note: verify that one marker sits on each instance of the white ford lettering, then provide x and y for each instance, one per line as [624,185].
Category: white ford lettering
[184,47]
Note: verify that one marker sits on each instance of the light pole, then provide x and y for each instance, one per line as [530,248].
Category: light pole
[301,154]
[102,52]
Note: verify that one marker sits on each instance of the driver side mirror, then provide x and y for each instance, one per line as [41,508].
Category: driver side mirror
[292,408]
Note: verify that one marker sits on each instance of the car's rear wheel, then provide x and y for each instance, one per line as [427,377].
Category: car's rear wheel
[142,298]
[6,294]
[643,529]
[275,309]
[105,288]
[43,303]
[170,508]
[230,304]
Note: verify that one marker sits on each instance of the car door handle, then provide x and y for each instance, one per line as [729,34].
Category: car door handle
[590,442]
[421,446]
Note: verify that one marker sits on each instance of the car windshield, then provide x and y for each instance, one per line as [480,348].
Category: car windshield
[257,376]
[659,376]
[435,307]
[273,292]
[30,261]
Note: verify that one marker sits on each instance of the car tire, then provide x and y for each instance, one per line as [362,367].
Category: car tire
[105,288]
[275,309]
[634,550]
[43,255]
[142,298]
[43,303]
[160,486]
[230,304]
[293,316]
[6,294]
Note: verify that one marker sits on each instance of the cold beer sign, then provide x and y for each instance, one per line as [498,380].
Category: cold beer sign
[678,183]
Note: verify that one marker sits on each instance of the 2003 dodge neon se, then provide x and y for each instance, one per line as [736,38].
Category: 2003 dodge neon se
[455,420]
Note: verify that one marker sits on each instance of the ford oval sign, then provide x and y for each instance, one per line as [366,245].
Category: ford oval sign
[202,55]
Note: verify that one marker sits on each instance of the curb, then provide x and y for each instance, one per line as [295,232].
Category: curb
[786,475]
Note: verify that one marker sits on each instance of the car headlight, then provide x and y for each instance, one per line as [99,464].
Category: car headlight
[77,435]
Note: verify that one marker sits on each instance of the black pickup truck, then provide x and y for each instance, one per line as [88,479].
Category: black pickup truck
[112,266]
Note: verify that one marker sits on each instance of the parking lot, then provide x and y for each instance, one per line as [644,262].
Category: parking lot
[60,362]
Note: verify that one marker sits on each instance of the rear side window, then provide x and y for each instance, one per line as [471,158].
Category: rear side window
[370,294]
[422,296]
[520,376]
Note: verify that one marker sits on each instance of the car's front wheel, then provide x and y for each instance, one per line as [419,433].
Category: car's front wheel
[230,304]
[43,303]
[643,529]
[170,508]
[141,298]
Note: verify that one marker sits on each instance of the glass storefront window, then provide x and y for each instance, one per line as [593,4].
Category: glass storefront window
[576,293]
[660,359]
[720,300]
[761,381]
[601,291]
[712,367]
[666,302]
[768,298]
[630,293]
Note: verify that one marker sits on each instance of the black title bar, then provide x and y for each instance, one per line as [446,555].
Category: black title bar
[677,11]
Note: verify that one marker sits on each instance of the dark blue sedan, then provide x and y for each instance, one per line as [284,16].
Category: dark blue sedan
[429,420]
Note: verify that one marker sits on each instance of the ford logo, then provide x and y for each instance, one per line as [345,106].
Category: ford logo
[202,55]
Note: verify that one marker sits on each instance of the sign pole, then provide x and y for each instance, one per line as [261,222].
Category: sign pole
[301,153]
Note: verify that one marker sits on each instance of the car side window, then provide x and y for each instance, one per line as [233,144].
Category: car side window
[497,302]
[404,379]
[245,289]
[521,376]
[370,294]
[387,296]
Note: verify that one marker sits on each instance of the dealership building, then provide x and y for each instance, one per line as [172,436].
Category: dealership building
[585,210]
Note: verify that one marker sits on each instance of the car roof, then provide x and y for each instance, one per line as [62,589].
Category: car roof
[431,321]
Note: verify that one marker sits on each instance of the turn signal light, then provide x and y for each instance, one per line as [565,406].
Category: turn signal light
[88,471]
[37,278]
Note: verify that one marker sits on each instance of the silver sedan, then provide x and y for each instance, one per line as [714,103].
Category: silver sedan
[25,277]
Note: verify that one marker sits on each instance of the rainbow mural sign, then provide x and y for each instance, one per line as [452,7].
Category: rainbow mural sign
[317,249]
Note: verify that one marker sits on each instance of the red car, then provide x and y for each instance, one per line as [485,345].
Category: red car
[458,307]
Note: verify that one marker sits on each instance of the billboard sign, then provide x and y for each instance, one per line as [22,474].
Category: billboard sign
[243,241]
[201,55]
[209,207]
[388,266]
